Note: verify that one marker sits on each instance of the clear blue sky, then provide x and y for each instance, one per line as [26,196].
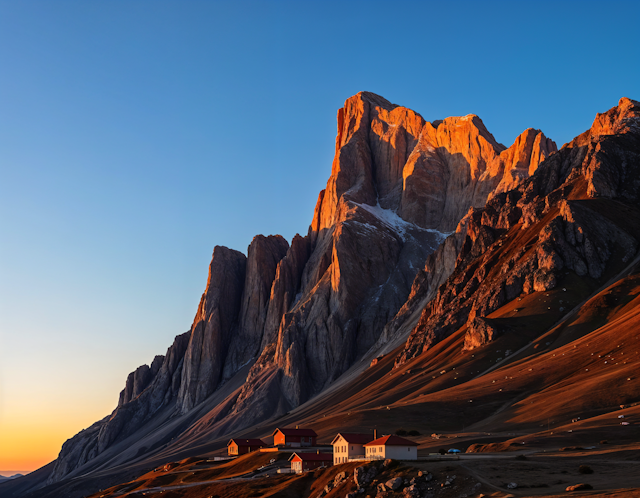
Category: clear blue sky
[137,135]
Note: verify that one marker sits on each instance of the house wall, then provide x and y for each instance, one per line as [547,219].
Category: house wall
[234,449]
[293,441]
[395,452]
[401,452]
[278,439]
[296,465]
[375,452]
[342,451]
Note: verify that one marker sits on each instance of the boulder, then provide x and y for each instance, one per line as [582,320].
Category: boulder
[480,331]
[363,475]
[411,491]
[339,478]
[394,484]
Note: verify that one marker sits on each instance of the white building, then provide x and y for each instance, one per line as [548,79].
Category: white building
[395,447]
[349,445]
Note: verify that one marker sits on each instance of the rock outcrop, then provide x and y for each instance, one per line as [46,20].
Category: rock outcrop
[138,380]
[264,255]
[517,163]
[480,331]
[286,286]
[212,329]
[569,216]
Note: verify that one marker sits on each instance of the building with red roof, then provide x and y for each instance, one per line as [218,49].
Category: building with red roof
[395,447]
[294,437]
[348,445]
[301,462]
[241,446]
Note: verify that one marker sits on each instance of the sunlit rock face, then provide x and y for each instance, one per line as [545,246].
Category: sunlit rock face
[305,313]
[398,183]
[571,216]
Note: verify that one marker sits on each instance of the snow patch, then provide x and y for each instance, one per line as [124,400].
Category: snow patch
[397,224]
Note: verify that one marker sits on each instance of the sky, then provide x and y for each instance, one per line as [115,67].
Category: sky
[136,136]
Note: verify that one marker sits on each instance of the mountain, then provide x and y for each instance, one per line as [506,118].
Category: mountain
[574,216]
[437,264]
[8,478]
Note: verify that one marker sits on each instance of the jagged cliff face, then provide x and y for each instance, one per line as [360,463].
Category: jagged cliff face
[305,312]
[572,216]
[397,183]
[428,173]
[213,328]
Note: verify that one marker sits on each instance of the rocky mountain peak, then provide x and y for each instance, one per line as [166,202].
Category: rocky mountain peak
[389,155]
[618,119]
[519,161]
[570,213]
[298,316]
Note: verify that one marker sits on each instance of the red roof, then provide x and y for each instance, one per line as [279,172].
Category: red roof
[353,438]
[296,432]
[325,457]
[247,442]
[392,441]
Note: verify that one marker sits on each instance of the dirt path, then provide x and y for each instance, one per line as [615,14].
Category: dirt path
[249,475]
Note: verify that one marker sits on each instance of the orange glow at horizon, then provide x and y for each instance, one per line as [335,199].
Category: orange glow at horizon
[32,434]
[27,445]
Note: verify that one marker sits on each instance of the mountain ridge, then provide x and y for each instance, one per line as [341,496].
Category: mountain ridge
[385,155]
[375,268]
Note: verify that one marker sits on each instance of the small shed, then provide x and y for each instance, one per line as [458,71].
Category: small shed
[348,445]
[294,438]
[241,446]
[395,447]
[301,462]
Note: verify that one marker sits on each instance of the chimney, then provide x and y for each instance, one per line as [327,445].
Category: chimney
[375,434]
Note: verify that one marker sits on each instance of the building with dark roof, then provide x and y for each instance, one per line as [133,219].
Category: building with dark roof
[395,447]
[294,437]
[241,446]
[301,462]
